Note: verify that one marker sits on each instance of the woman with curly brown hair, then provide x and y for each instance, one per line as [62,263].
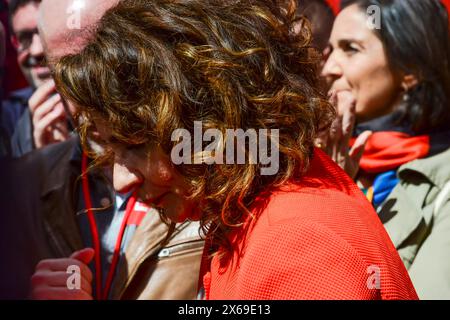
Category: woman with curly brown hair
[153,68]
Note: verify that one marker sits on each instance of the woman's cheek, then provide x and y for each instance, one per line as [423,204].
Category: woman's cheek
[355,83]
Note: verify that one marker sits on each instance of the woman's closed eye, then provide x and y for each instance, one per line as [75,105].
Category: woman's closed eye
[349,47]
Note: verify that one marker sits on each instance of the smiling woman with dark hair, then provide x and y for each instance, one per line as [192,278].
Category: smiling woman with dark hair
[395,78]
[154,67]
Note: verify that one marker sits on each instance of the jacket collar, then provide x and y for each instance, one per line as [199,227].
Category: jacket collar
[147,241]
[430,168]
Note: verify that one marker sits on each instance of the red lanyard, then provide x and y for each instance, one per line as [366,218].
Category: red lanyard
[103,295]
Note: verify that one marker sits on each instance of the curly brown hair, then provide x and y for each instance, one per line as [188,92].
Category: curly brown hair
[152,67]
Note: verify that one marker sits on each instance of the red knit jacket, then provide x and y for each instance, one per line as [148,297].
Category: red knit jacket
[317,240]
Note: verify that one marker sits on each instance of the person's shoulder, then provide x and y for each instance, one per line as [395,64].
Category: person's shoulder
[14,109]
[324,174]
[311,260]
[22,94]
[19,97]
[326,219]
[54,152]
[49,159]
[325,196]
[322,201]
[337,240]
[38,172]
[325,214]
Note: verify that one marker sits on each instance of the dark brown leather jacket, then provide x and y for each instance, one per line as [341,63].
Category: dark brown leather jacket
[157,265]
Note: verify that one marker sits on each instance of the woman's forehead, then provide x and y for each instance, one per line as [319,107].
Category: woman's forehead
[351,23]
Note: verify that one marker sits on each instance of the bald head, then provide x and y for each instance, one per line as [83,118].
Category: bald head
[65,25]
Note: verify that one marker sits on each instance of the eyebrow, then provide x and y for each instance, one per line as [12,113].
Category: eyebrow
[345,41]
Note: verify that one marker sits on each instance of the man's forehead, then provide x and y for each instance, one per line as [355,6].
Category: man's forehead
[65,25]
[59,45]
[73,14]
[25,17]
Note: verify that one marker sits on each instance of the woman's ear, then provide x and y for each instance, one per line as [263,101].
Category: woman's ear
[409,81]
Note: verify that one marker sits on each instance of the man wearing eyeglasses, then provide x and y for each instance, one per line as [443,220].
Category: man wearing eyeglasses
[59,212]
[43,120]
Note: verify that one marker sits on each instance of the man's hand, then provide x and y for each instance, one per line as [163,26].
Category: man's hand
[48,116]
[49,282]
[336,142]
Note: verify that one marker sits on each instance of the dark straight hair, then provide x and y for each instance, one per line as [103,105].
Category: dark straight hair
[416,38]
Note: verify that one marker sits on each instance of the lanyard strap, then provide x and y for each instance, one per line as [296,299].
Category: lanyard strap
[103,295]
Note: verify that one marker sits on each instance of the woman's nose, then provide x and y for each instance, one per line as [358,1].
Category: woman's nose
[124,179]
[331,69]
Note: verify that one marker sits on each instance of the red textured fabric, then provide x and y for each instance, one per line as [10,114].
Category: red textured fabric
[388,150]
[317,240]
